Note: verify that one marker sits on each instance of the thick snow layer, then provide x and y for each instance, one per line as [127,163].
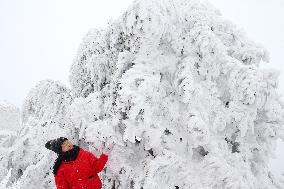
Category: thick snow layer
[9,117]
[179,91]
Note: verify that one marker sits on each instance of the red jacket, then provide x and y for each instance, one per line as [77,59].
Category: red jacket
[82,173]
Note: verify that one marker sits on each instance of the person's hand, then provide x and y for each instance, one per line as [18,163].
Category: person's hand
[94,149]
[109,148]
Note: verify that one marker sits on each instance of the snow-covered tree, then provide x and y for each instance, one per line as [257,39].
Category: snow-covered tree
[9,126]
[9,117]
[43,118]
[179,91]
[47,102]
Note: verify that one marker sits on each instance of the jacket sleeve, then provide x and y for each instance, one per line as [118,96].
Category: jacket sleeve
[60,181]
[98,163]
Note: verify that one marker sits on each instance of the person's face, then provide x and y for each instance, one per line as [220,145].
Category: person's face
[66,146]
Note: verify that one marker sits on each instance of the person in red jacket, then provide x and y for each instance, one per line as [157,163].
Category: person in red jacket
[76,168]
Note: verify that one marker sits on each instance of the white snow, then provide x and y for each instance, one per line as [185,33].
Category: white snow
[176,87]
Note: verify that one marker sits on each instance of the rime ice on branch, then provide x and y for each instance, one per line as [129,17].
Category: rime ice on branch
[179,90]
[183,89]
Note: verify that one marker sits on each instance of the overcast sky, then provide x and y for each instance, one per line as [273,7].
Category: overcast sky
[39,39]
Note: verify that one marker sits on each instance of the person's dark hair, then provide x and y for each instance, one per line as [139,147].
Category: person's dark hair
[55,144]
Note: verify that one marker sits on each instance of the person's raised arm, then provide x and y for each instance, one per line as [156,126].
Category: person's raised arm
[98,163]
[101,162]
